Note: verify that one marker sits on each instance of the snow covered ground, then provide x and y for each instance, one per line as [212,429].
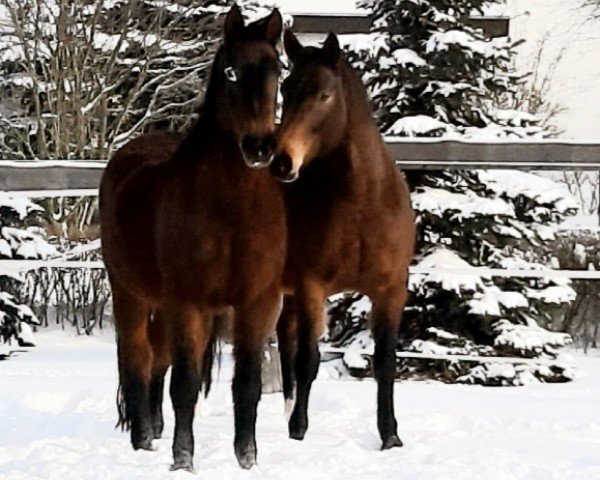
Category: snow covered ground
[57,413]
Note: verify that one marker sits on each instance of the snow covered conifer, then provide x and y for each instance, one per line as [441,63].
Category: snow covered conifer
[431,74]
[19,239]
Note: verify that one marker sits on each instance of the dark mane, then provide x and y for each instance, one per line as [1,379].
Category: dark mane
[206,110]
[360,108]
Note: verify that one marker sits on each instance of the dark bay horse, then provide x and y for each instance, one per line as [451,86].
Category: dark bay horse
[350,222]
[191,226]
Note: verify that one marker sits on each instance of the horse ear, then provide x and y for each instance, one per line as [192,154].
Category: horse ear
[234,22]
[273,26]
[331,49]
[293,48]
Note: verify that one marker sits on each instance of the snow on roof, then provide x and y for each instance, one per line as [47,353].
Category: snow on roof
[320,6]
[466,205]
[514,183]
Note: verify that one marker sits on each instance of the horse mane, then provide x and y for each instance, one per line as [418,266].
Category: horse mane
[216,76]
[360,108]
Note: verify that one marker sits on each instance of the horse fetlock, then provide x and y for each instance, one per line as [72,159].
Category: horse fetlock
[158,426]
[183,465]
[141,439]
[183,456]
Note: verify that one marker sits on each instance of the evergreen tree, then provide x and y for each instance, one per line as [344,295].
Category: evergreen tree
[430,74]
[19,239]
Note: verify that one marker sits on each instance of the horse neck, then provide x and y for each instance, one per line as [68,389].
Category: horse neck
[362,141]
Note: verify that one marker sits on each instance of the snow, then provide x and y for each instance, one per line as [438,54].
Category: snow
[320,6]
[441,41]
[528,337]
[514,183]
[443,257]
[558,294]
[21,205]
[57,412]
[417,125]
[439,201]
[406,56]
[489,302]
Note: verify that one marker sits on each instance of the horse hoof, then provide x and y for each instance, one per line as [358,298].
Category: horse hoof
[144,445]
[297,428]
[391,442]
[246,457]
[185,466]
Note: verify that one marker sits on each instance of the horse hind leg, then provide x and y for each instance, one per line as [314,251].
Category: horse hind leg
[191,331]
[159,333]
[310,317]
[385,321]
[286,339]
[253,326]
[135,364]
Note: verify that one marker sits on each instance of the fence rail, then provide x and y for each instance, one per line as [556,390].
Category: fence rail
[82,177]
[357,23]
[20,266]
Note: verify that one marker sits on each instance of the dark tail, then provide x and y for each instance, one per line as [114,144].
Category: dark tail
[213,351]
[123,422]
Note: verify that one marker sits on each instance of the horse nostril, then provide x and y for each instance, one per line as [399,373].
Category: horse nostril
[281,167]
[250,144]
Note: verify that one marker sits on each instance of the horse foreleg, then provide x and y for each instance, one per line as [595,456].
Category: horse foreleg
[191,332]
[310,315]
[135,364]
[253,326]
[159,332]
[286,339]
[385,320]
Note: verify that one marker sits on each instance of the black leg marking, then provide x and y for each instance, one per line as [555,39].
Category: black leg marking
[246,390]
[157,387]
[185,385]
[137,412]
[307,366]
[384,370]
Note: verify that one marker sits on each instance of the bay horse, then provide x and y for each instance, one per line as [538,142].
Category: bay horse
[191,226]
[350,222]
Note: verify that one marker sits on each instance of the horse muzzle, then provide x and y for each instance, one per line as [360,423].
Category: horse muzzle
[258,150]
[282,168]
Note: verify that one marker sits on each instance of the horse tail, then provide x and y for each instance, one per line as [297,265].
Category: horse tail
[220,325]
[212,349]
[123,421]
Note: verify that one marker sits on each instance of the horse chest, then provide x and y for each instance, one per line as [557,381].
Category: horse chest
[221,243]
[325,240]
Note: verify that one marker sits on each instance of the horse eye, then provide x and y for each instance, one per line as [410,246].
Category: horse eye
[231,74]
[325,96]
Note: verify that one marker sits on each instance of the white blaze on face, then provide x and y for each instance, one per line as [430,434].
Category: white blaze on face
[297,150]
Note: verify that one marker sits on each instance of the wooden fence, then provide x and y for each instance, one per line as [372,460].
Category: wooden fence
[38,178]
